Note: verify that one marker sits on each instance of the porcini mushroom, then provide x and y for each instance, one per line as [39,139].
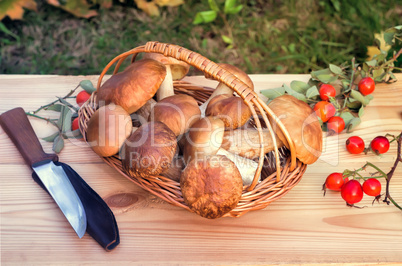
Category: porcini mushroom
[175,70]
[223,88]
[134,86]
[149,150]
[299,120]
[107,129]
[204,139]
[211,187]
[231,109]
[246,142]
[178,112]
[302,124]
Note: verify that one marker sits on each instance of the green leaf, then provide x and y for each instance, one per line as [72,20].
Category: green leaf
[51,137]
[59,122]
[353,104]
[229,4]
[361,111]
[213,5]
[317,73]
[6,31]
[75,134]
[368,98]
[54,107]
[299,86]
[353,123]
[312,92]
[205,17]
[389,37]
[327,78]
[336,5]
[64,122]
[347,117]
[67,122]
[372,63]
[377,73]
[294,93]
[335,69]
[58,144]
[273,93]
[365,67]
[231,7]
[234,10]
[227,39]
[359,97]
[87,86]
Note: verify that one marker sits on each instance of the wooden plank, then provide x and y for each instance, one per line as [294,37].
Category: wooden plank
[301,227]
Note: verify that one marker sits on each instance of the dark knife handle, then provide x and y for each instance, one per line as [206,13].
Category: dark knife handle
[17,126]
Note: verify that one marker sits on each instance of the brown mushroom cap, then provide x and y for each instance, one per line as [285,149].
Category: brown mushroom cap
[107,129]
[149,150]
[203,139]
[211,187]
[301,123]
[231,109]
[178,68]
[134,86]
[178,112]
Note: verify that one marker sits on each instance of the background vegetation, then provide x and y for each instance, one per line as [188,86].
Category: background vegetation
[268,36]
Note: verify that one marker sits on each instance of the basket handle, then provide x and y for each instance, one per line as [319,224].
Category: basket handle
[222,75]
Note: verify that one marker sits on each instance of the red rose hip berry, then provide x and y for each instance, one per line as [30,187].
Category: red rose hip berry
[366,86]
[82,97]
[372,187]
[379,145]
[355,145]
[327,91]
[334,181]
[336,124]
[75,124]
[352,192]
[324,110]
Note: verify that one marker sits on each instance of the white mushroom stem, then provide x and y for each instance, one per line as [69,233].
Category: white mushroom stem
[166,88]
[247,167]
[220,89]
[246,142]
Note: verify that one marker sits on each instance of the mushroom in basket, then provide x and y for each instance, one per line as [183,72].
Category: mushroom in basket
[175,70]
[178,112]
[223,88]
[107,129]
[231,109]
[134,86]
[299,120]
[149,150]
[212,186]
[205,138]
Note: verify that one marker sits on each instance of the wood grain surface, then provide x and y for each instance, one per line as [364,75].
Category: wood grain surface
[303,227]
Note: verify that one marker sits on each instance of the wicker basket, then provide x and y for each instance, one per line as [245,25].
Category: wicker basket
[280,170]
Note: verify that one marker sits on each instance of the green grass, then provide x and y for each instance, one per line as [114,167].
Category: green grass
[269,36]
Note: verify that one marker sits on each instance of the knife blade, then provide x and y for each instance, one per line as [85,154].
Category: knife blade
[17,126]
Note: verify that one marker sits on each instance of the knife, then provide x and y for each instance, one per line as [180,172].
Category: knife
[17,126]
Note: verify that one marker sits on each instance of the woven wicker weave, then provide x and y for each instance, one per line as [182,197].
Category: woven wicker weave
[280,170]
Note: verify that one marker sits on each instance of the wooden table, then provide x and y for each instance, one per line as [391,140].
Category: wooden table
[301,227]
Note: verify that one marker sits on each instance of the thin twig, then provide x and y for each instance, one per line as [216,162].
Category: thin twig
[55,101]
[391,173]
